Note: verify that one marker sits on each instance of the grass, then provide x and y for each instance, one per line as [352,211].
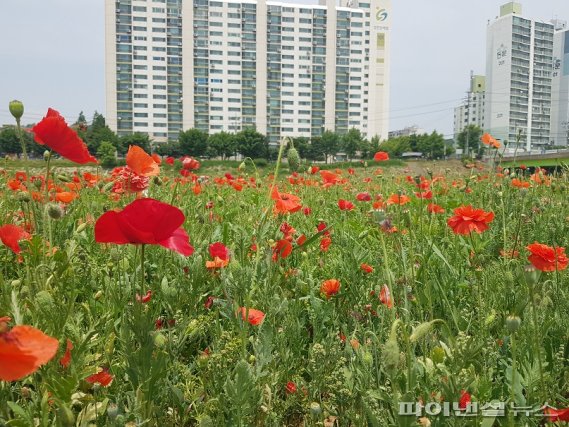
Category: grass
[185,358]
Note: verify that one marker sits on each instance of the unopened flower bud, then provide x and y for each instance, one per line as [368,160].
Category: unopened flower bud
[315,408]
[54,211]
[23,196]
[16,109]
[513,323]
[46,155]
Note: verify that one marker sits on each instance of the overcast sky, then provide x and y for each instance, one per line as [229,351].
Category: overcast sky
[52,55]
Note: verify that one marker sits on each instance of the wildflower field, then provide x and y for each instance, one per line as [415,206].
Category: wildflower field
[160,294]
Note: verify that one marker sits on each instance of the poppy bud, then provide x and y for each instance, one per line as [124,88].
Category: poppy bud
[66,416]
[23,196]
[241,166]
[252,359]
[157,181]
[54,211]
[81,227]
[37,183]
[112,410]
[315,408]
[16,109]
[513,323]
[46,155]
[438,355]
[63,178]
[160,340]
[15,283]
[98,295]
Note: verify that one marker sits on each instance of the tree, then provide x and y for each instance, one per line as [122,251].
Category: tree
[9,141]
[374,146]
[170,148]
[222,144]
[302,145]
[432,146]
[137,138]
[251,143]
[81,121]
[395,147]
[351,142]
[97,133]
[107,154]
[193,142]
[469,140]
[327,144]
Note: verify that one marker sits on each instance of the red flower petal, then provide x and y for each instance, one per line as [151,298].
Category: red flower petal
[54,132]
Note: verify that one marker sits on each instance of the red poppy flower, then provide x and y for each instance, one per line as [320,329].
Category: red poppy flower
[301,239]
[290,387]
[145,221]
[145,298]
[363,197]
[102,377]
[23,349]
[330,287]
[66,358]
[467,219]
[170,160]
[285,203]
[488,139]
[520,184]
[546,258]
[325,244]
[366,268]
[345,205]
[381,156]
[11,235]
[219,250]
[66,196]
[282,249]
[385,296]
[306,211]
[190,164]
[425,195]
[53,132]
[216,263]
[329,178]
[313,169]
[554,415]
[396,199]
[140,162]
[464,400]
[156,158]
[252,316]
[287,229]
[434,208]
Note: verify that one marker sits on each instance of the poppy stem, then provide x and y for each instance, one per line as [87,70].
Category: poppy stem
[23,144]
[142,268]
[536,349]
[48,160]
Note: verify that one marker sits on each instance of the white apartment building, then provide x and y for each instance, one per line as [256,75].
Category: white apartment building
[406,131]
[285,69]
[471,112]
[560,85]
[518,78]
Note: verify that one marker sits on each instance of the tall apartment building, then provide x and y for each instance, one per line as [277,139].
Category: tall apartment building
[286,69]
[519,55]
[471,112]
[560,85]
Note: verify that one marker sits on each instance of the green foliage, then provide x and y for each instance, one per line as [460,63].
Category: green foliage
[106,154]
[98,132]
[326,145]
[193,142]
[469,141]
[222,144]
[395,147]
[9,140]
[351,142]
[137,138]
[293,159]
[251,143]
